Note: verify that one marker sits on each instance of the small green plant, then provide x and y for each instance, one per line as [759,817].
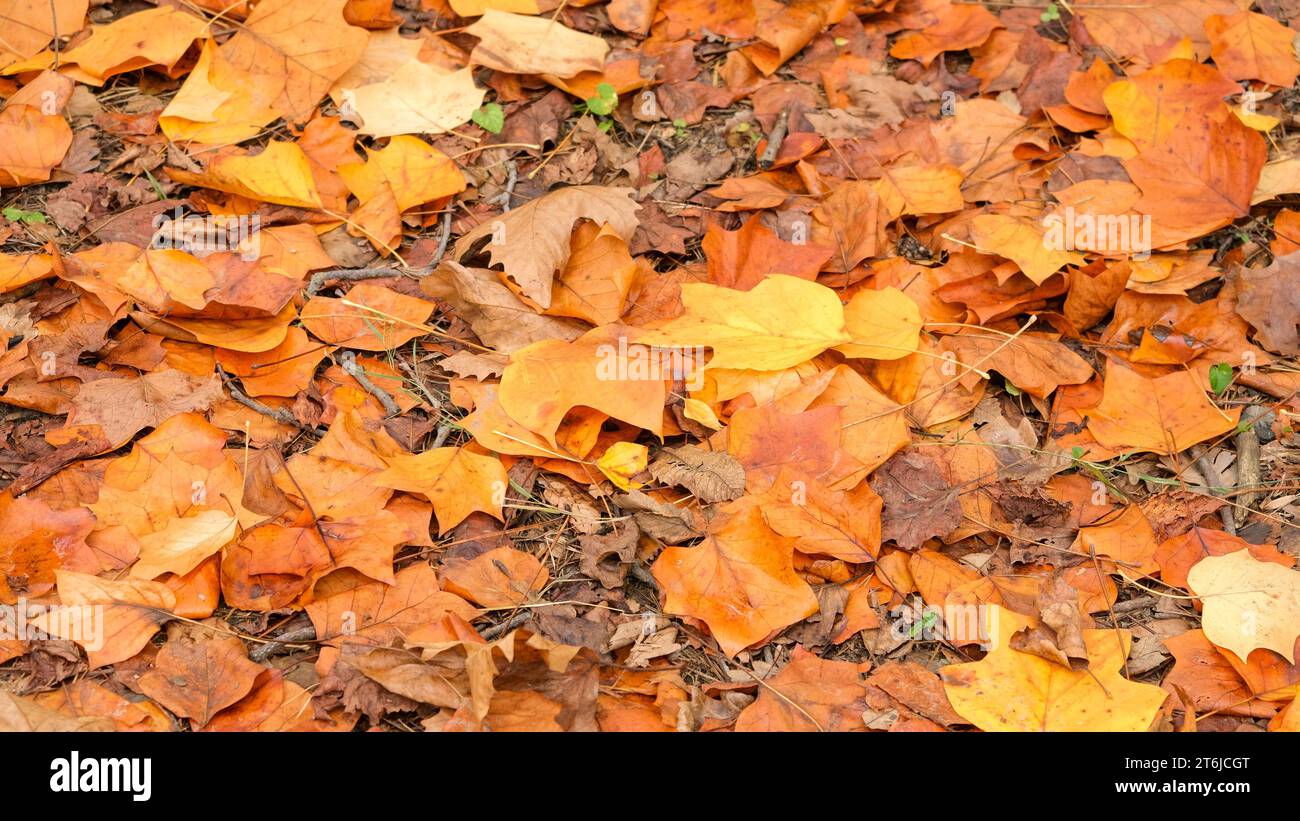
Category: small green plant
[490,118]
[1050,14]
[680,125]
[924,627]
[602,105]
[1220,377]
[14,214]
[605,101]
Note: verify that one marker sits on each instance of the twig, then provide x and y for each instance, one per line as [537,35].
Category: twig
[1134,604]
[774,140]
[440,436]
[319,278]
[1248,473]
[262,652]
[281,415]
[54,25]
[443,240]
[348,361]
[512,623]
[512,179]
[1214,481]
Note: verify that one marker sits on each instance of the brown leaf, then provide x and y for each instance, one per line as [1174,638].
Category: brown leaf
[919,504]
[195,679]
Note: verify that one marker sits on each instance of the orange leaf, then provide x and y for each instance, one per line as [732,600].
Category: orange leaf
[1167,414]
[195,679]
[503,577]
[456,480]
[740,580]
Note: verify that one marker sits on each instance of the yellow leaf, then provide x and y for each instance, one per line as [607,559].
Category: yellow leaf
[1248,603]
[782,322]
[219,104]
[546,380]
[1167,414]
[518,44]
[415,171]
[921,189]
[294,50]
[1009,690]
[698,411]
[280,174]
[183,543]
[884,324]
[623,460]
[417,98]
[155,37]
[457,481]
[475,8]
[1024,243]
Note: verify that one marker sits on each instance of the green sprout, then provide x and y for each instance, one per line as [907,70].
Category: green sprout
[490,118]
[14,214]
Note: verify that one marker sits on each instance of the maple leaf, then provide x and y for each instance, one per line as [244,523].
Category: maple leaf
[740,580]
[369,318]
[741,259]
[154,37]
[416,98]
[1166,414]
[843,524]
[121,408]
[24,715]
[1127,538]
[196,679]
[38,540]
[358,610]
[503,577]
[590,372]
[532,241]
[519,44]
[1267,300]
[1248,603]
[1178,554]
[280,173]
[296,49]
[1010,690]
[884,324]
[814,694]
[780,323]
[32,143]
[918,503]
[1252,46]
[457,482]
[131,611]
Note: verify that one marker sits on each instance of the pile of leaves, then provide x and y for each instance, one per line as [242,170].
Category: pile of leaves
[680,365]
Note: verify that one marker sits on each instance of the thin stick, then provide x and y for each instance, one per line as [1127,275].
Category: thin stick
[348,361]
[281,415]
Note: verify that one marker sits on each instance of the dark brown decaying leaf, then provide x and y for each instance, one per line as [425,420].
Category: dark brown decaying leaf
[919,504]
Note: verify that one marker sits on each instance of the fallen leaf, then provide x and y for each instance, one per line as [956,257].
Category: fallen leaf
[1248,603]
[196,679]
[740,580]
[1013,691]
[520,44]
[532,241]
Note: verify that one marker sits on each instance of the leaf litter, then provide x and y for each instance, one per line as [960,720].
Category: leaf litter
[651,365]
